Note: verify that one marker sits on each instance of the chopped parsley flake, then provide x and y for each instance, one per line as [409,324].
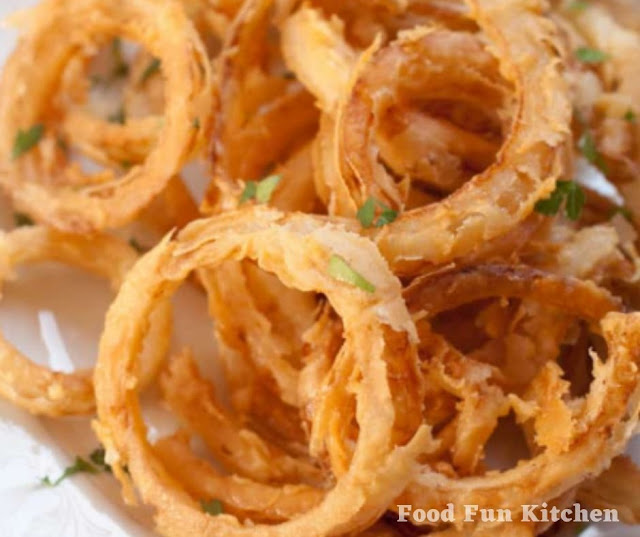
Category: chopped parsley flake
[97,457]
[342,271]
[151,69]
[261,191]
[367,213]
[212,507]
[591,55]
[94,465]
[587,146]
[26,140]
[568,192]
[80,465]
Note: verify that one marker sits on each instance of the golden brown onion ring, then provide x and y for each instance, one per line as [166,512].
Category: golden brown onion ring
[37,388]
[37,181]
[526,168]
[602,422]
[296,248]
[471,79]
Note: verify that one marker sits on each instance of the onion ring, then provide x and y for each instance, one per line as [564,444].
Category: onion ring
[297,249]
[530,161]
[602,430]
[262,117]
[37,184]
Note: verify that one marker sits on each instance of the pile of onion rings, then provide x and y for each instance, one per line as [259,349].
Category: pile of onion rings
[417,241]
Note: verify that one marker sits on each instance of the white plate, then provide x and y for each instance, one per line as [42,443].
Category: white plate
[31,448]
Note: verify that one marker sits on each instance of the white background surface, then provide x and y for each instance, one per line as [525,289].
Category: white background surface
[30,448]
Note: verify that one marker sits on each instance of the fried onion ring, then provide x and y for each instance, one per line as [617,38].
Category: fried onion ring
[603,421]
[39,181]
[526,167]
[297,249]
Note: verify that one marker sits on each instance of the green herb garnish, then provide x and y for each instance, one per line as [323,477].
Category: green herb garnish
[151,69]
[340,270]
[289,75]
[366,214]
[575,200]
[249,192]
[630,116]
[551,205]
[212,507]
[587,146]
[196,123]
[568,192]
[22,220]
[79,466]
[26,140]
[261,191]
[97,457]
[578,5]
[591,55]
[266,187]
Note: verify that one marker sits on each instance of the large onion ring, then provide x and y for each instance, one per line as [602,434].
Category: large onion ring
[530,161]
[297,249]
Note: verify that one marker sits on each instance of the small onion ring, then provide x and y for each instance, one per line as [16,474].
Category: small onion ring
[602,429]
[168,34]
